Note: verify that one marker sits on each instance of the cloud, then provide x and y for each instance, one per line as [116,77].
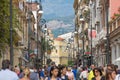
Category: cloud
[55,24]
[60,8]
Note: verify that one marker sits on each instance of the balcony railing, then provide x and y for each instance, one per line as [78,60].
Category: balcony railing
[114,25]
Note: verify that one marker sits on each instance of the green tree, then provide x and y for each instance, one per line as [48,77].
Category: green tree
[5,23]
[45,45]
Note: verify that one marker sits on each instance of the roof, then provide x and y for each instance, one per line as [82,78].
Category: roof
[59,39]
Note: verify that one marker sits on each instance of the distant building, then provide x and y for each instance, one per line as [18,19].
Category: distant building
[59,55]
[115,40]
[71,45]
[66,36]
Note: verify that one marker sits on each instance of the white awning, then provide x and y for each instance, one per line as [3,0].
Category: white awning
[117,60]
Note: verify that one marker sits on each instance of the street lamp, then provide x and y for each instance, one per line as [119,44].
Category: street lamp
[91,30]
[77,54]
[72,40]
[82,36]
[105,45]
[11,33]
[45,36]
[29,27]
[68,48]
[39,11]
[42,22]
[107,34]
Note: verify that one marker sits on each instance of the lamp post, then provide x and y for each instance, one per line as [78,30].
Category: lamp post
[45,32]
[29,21]
[91,30]
[29,27]
[82,20]
[68,48]
[107,34]
[42,22]
[72,40]
[77,55]
[39,11]
[11,32]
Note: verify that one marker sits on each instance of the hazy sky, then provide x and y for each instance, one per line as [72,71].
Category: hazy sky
[57,8]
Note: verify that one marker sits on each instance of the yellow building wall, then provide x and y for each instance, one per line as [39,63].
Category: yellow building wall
[59,55]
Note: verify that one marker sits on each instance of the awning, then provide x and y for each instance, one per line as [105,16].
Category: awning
[87,52]
[117,60]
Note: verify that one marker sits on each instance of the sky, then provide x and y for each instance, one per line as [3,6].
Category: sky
[59,14]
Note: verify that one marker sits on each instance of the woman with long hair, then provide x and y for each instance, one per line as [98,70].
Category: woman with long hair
[98,74]
[54,73]
[110,74]
[26,73]
[63,70]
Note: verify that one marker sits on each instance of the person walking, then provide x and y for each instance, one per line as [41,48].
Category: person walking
[91,75]
[54,73]
[74,70]
[111,74]
[33,73]
[63,70]
[98,74]
[84,74]
[70,74]
[26,73]
[6,73]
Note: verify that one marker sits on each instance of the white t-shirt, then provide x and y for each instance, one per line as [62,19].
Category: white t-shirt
[84,74]
[8,75]
[117,77]
[70,75]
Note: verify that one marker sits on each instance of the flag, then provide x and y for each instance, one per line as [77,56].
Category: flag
[93,35]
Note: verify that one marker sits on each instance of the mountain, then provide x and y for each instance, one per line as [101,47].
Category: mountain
[59,15]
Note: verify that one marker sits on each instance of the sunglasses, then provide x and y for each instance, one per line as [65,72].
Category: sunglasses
[96,71]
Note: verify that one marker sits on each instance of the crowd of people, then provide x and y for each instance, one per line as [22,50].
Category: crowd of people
[60,72]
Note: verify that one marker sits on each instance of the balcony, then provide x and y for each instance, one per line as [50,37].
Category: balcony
[114,27]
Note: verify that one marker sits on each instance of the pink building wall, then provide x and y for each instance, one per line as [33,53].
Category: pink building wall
[114,5]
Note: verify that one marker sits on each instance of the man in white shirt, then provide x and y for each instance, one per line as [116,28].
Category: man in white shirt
[6,73]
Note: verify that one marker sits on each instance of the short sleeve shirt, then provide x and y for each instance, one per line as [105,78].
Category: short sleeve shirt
[8,75]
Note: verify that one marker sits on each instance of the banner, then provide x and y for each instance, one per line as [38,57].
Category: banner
[93,35]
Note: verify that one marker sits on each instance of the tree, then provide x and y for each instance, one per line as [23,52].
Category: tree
[5,24]
[46,45]
[4,21]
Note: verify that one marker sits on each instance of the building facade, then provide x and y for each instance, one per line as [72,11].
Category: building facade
[59,55]
[114,30]
[82,16]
